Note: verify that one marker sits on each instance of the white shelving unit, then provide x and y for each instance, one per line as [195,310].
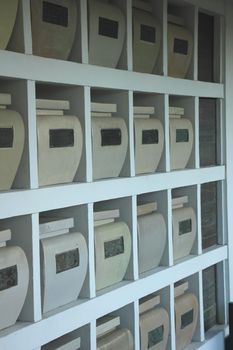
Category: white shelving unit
[27,77]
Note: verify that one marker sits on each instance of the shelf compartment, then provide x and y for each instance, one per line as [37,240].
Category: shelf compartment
[156,102]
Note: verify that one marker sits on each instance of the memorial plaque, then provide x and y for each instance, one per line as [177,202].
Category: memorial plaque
[55,14]
[150,137]
[182,135]
[186,319]
[114,247]
[6,137]
[110,137]
[67,260]
[155,336]
[60,138]
[185,227]
[108,27]
[181,46]
[148,34]
[8,277]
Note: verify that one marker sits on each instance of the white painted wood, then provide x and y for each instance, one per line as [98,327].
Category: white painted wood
[90,75]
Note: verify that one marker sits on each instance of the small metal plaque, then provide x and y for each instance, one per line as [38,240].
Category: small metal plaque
[186,319]
[150,137]
[55,14]
[8,277]
[67,260]
[110,137]
[6,137]
[60,138]
[148,34]
[155,336]
[185,226]
[108,27]
[182,135]
[181,46]
[113,248]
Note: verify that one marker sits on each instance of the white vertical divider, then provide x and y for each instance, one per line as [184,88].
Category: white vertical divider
[222,213]
[27,29]
[135,238]
[222,294]
[91,252]
[131,134]
[32,134]
[199,223]
[88,144]
[167,132]
[197,133]
[25,234]
[195,46]
[169,228]
[165,302]
[84,31]
[92,345]
[165,54]
[136,325]
[229,138]
[172,345]
[201,308]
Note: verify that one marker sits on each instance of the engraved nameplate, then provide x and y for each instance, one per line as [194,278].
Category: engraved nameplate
[186,319]
[182,135]
[108,27]
[113,248]
[185,227]
[181,46]
[110,137]
[148,34]
[8,277]
[6,137]
[150,137]
[55,14]
[61,138]
[67,260]
[155,336]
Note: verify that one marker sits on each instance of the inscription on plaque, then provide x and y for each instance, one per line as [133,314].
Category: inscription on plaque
[67,260]
[55,14]
[155,336]
[6,137]
[108,27]
[110,137]
[8,277]
[150,137]
[60,138]
[181,46]
[182,135]
[186,319]
[113,248]
[148,34]
[185,226]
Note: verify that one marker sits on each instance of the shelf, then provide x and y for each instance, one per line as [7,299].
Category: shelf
[55,197]
[51,70]
[32,335]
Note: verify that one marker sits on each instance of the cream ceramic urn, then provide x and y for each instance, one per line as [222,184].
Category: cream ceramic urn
[106,33]
[54,24]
